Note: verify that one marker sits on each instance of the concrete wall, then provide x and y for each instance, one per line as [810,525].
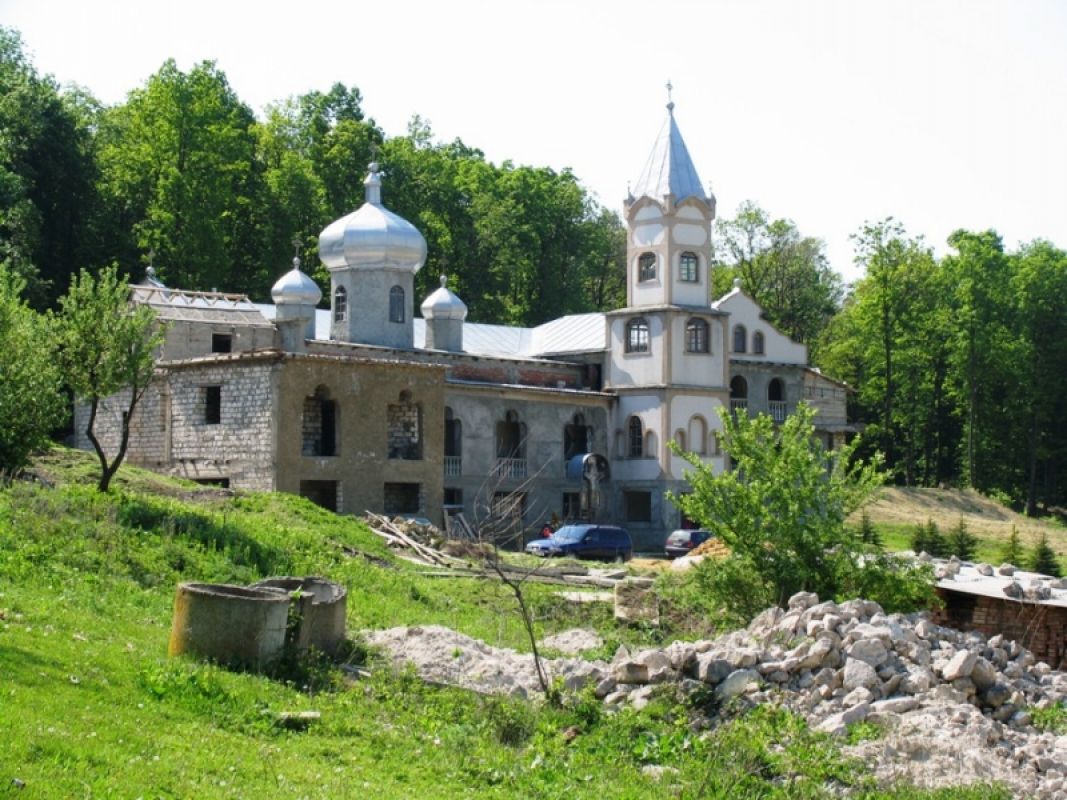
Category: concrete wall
[777,347]
[363,392]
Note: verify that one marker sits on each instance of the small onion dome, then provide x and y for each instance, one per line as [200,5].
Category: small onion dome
[295,288]
[443,304]
[372,236]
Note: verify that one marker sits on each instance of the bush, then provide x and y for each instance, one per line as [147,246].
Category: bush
[1013,549]
[928,539]
[782,512]
[961,542]
[1043,558]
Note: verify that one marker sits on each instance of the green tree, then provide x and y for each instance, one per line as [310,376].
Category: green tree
[781,509]
[1043,558]
[106,345]
[961,542]
[47,172]
[180,173]
[31,403]
[1012,552]
[785,272]
[868,534]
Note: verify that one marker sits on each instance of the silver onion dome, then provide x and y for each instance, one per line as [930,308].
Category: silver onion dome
[295,288]
[372,236]
[443,304]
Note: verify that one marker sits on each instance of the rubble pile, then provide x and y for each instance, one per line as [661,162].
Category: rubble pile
[952,707]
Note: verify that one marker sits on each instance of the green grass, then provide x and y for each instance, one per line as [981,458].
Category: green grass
[898,537]
[90,706]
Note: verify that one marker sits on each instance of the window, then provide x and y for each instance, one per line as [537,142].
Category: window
[740,339]
[340,304]
[757,343]
[636,442]
[405,429]
[679,439]
[646,267]
[696,336]
[221,343]
[403,498]
[637,335]
[319,425]
[396,304]
[689,267]
[321,493]
[775,391]
[638,506]
[510,437]
[453,435]
[212,405]
[575,438]
[453,503]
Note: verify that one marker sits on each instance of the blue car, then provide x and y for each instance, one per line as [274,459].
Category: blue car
[601,542]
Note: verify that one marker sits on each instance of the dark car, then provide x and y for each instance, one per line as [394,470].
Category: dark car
[679,543]
[603,542]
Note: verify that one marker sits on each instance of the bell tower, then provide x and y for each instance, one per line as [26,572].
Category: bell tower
[668,220]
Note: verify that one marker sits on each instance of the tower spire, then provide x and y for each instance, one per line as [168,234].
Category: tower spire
[670,102]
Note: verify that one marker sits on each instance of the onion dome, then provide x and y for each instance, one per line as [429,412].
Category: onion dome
[295,288]
[443,304]
[372,236]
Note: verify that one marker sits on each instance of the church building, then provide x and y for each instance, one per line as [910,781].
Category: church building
[364,406]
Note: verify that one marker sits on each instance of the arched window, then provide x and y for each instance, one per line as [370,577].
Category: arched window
[740,339]
[405,428]
[679,439]
[637,335]
[575,437]
[510,437]
[396,304]
[698,435]
[636,438]
[696,336]
[757,343]
[689,267]
[340,304]
[738,388]
[646,267]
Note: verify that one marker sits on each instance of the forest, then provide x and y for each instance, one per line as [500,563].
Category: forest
[958,364]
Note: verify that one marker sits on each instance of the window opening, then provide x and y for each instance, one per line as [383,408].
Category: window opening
[319,427]
[689,267]
[757,343]
[405,429]
[646,267]
[212,405]
[637,335]
[696,336]
[340,304]
[575,437]
[740,339]
[638,506]
[636,447]
[221,343]
[396,304]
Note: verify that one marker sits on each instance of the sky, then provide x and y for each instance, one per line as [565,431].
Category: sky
[943,114]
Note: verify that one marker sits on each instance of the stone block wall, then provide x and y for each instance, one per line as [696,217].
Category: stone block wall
[1039,627]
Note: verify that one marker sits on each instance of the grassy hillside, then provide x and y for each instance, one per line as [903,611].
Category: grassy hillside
[897,510]
[90,706]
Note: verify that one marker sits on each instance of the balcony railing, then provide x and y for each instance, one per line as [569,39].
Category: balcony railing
[738,404]
[777,408]
[510,468]
[453,466]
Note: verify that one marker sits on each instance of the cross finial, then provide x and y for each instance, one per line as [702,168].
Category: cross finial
[151,257]
[297,247]
[670,102]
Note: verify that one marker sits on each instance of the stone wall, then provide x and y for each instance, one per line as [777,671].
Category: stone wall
[1039,627]
[169,432]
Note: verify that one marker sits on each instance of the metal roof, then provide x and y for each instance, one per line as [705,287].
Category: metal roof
[669,170]
[178,305]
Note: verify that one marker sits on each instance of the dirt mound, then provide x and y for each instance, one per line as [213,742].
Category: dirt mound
[714,548]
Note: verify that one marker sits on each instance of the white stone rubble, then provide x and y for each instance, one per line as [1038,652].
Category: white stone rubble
[953,708]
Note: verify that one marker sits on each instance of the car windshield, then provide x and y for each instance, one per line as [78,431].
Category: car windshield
[569,533]
[679,536]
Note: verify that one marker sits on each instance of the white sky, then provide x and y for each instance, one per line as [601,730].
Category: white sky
[941,113]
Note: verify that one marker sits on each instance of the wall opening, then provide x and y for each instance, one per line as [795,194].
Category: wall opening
[321,493]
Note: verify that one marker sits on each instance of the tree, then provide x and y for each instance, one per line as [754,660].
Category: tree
[782,509]
[867,532]
[180,173]
[961,542]
[46,176]
[1012,553]
[786,273]
[106,345]
[1043,558]
[31,403]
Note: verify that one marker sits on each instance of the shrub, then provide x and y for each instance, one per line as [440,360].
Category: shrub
[961,542]
[1043,558]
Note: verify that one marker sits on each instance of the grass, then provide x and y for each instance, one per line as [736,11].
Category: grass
[90,706]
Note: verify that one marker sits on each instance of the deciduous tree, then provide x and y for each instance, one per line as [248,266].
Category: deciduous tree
[106,345]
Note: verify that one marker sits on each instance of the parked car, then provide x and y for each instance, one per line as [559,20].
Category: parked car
[603,542]
[680,542]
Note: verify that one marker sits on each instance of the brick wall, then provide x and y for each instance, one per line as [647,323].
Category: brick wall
[1038,627]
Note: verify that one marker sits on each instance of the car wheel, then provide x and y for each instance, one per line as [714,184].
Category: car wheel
[620,557]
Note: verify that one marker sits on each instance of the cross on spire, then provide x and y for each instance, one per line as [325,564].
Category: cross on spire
[670,102]
[297,247]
